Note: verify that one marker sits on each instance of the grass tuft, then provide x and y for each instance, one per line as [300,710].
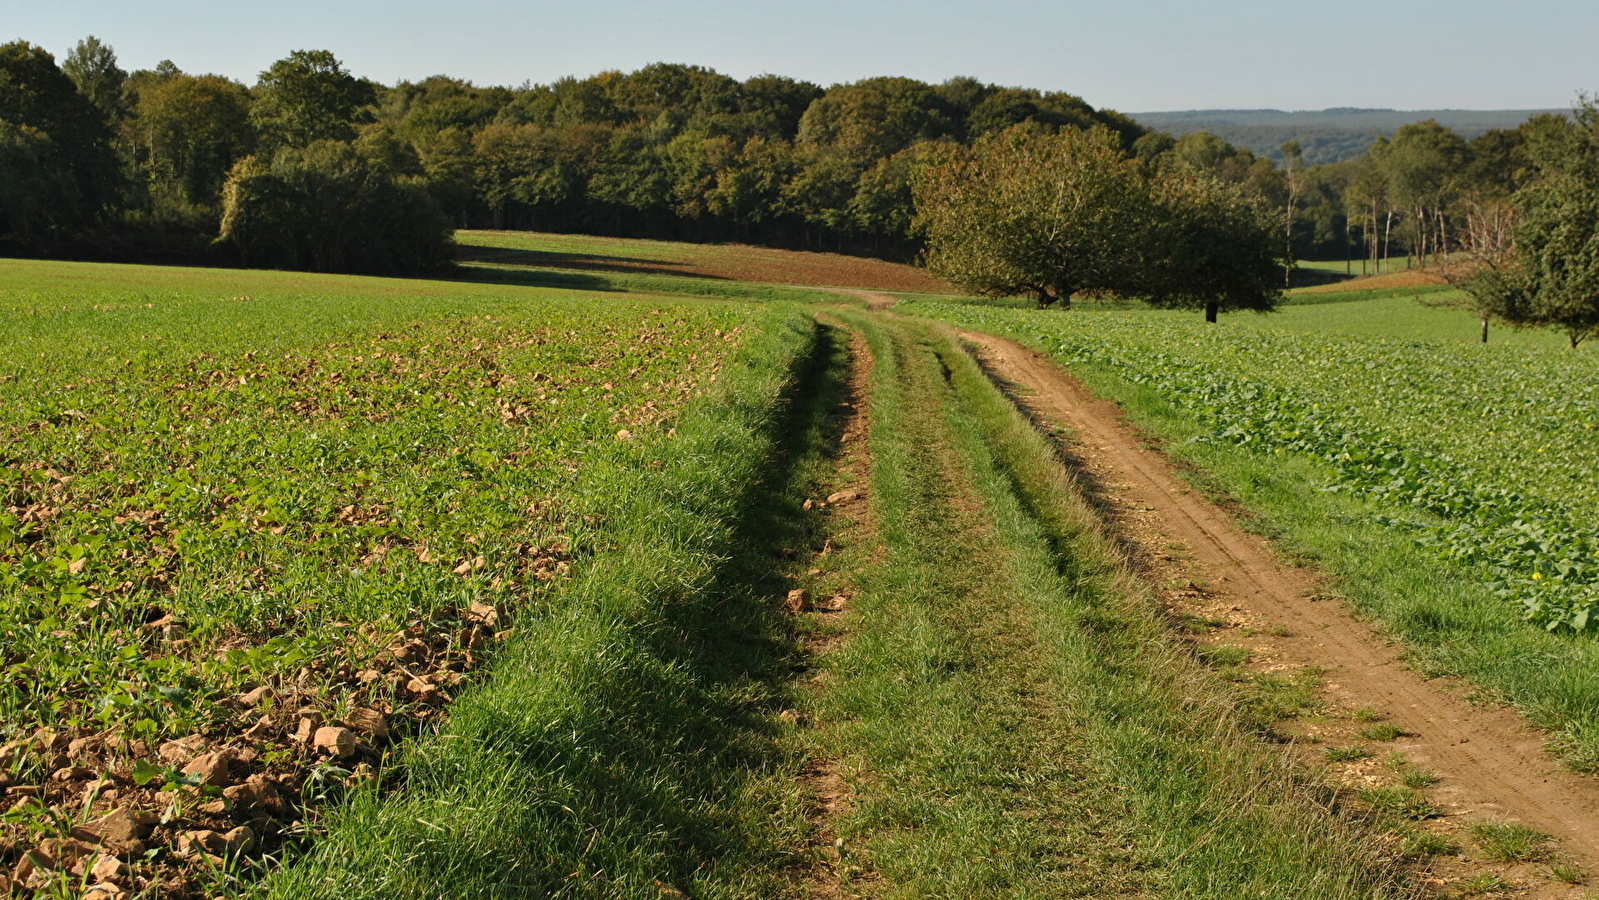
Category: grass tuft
[1419,842]
[1482,885]
[1382,731]
[1397,801]
[1510,842]
[1569,873]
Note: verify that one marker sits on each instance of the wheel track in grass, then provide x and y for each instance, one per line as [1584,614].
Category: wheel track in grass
[1493,764]
[831,797]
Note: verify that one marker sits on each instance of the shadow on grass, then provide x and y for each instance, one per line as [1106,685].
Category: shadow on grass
[623,741]
[585,262]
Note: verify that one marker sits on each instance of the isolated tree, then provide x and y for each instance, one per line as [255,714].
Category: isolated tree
[92,66]
[1210,247]
[308,96]
[1556,283]
[1293,170]
[1023,212]
[1489,243]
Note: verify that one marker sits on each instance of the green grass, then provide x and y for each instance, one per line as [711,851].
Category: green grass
[303,501]
[733,271]
[1340,267]
[627,739]
[1417,779]
[299,470]
[1401,802]
[1420,842]
[599,248]
[1510,842]
[1410,394]
[1568,873]
[1486,883]
[1020,721]
[1382,731]
[1428,313]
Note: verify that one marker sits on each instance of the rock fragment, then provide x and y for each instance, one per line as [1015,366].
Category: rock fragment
[369,722]
[211,769]
[336,742]
[799,600]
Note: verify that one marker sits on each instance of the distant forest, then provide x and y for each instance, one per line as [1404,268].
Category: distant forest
[1328,135]
[314,167]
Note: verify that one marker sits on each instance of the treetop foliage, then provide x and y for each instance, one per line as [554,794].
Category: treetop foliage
[1025,211]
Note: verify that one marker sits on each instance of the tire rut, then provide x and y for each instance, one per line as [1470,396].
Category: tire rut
[1493,763]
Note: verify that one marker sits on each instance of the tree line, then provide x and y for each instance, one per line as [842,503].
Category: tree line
[314,167]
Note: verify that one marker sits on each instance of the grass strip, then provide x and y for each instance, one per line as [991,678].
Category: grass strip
[1024,723]
[625,741]
[1446,613]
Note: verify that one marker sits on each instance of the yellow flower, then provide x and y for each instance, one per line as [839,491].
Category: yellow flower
[1537,576]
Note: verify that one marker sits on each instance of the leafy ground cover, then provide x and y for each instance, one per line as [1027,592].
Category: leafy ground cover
[256,527]
[1480,457]
[726,262]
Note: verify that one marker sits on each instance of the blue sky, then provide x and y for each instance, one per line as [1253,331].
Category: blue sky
[1136,55]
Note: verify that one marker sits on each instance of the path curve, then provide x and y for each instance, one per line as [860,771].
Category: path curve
[1492,762]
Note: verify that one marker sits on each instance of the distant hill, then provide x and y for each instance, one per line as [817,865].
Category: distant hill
[1327,135]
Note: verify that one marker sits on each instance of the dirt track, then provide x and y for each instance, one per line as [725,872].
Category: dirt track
[1492,764]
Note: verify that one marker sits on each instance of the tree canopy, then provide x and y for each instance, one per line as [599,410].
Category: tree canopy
[1022,212]
[1050,215]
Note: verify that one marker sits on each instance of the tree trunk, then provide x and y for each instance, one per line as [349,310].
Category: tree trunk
[1443,242]
[1485,328]
[1211,309]
[1387,240]
[1349,263]
[1288,237]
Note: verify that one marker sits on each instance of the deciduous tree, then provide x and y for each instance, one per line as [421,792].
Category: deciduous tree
[1023,212]
[308,96]
[92,66]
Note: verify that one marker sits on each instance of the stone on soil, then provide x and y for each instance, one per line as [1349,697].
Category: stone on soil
[335,742]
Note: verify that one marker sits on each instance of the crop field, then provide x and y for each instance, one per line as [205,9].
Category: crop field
[248,517]
[720,262]
[1498,445]
[1483,455]
[545,580]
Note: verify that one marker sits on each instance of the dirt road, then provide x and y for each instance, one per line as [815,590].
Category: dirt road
[1492,764]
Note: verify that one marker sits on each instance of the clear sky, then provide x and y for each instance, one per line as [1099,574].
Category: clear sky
[1131,55]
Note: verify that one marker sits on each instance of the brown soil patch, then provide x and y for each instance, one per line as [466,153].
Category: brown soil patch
[1491,764]
[1407,279]
[733,262]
